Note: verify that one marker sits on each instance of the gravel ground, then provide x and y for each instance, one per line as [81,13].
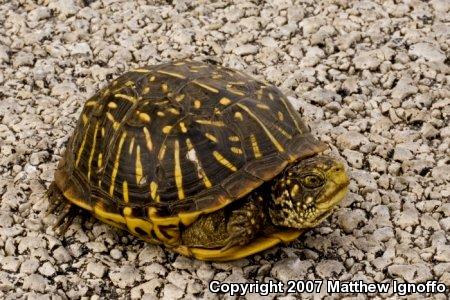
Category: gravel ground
[371,79]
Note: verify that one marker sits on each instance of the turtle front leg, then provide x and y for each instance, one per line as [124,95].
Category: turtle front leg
[235,225]
[245,221]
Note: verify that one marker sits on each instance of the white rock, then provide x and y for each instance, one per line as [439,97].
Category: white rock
[427,51]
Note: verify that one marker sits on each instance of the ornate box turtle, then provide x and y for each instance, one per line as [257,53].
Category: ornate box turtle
[204,159]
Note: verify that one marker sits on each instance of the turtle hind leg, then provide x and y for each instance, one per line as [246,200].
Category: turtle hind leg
[65,210]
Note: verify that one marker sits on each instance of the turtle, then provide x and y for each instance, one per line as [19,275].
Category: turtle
[201,158]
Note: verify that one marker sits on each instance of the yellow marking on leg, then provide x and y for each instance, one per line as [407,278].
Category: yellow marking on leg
[271,96]
[271,137]
[125,191]
[238,116]
[83,142]
[148,139]
[167,129]
[91,103]
[177,170]
[255,146]
[139,171]
[160,114]
[164,88]
[144,117]
[183,127]
[116,163]
[234,138]
[197,104]
[100,160]
[131,148]
[211,137]
[127,211]
[146,90]
[200,170]
[152,78]
[209,122]
[225,101]
[84,119]
[112,105]
[224,161]
[103,131]
[162,152]
[91,155]
[141,71]
[205,86]
[153,190]
[171,74]
[126,97]
[236,150]
[216,76]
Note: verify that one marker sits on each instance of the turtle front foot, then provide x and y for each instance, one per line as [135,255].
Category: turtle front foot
[245,222]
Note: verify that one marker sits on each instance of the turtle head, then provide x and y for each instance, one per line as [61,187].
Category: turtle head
[305,193]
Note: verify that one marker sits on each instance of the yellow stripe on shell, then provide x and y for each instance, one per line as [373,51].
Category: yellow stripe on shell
[112,105]
[162,152]
[232,90]
[173,111]
[238,116]
[167,129]
[131,147]
[255,146]
[125,191]
[84,118]
[222,160]
[116,163]
[225,101]
[183,127]
[99,160]
[209,122]
[263,106]
[211,137]
[148,139]
[205,86]
[83,142]
[141,71]
[138,166]
[144,117]
[91,103]
[180,97]
[126,97]
[271,137]
[153,190]
[236,150]
[91,155]
[177,170]
[177,75]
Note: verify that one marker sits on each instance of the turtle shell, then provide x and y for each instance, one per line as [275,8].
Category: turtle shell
[166,143]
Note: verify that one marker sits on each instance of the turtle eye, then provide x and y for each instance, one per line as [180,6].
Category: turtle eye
[312,181]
